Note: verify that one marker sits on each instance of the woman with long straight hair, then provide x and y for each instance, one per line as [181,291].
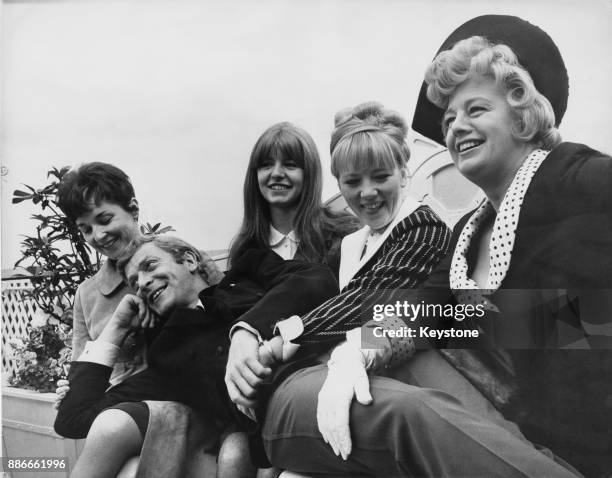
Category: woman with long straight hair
[283,212]
[282,200]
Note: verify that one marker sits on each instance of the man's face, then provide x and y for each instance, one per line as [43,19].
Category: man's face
[160,281]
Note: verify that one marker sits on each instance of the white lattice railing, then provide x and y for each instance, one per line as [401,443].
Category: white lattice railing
[17,311]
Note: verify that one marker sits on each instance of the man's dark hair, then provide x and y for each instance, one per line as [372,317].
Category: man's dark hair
[93,183]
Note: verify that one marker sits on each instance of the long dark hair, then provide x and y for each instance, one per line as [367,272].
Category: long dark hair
[312,223]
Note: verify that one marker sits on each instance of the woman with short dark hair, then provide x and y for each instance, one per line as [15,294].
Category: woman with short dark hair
[100,199]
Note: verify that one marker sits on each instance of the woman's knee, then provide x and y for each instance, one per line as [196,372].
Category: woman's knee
[115,428]
[113,438]
[400,404]
[234,457]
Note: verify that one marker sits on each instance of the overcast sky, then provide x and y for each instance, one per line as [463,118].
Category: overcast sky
[177,92]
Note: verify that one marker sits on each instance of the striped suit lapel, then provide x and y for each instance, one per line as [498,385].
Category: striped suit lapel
[352,246]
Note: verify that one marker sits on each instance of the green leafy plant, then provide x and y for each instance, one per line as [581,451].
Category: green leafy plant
[57,254]
[155,229]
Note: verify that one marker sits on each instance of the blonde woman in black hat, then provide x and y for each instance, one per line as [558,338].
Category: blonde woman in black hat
[545,229]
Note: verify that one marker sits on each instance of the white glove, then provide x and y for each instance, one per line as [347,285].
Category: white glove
[346,378]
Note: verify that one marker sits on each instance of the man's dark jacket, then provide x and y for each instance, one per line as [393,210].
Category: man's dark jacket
[187,356]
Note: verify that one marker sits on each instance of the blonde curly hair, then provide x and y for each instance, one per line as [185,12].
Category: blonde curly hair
[476,56]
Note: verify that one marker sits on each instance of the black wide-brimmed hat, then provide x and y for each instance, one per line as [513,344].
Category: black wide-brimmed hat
[535,50]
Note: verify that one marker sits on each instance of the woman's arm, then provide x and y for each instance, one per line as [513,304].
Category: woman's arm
[89,375]
[411,252]
[84,401]
[80,333]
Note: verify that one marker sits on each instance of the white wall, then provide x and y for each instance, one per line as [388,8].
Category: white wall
[176,92]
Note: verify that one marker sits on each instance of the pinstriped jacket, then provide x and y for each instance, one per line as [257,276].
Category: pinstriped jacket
[415,243]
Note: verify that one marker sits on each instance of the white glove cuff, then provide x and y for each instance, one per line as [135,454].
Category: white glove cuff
[345,355]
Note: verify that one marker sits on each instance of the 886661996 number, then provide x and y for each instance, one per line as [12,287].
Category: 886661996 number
[34,463]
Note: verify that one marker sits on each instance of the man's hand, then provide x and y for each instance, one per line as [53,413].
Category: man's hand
[131,313]
[271,351]
[346,378]
[244,372]
[60,392]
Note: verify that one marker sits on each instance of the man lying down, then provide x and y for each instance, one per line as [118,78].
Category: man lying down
[187,325]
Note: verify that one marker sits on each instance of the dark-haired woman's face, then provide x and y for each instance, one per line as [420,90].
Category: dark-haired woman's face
[280,181]
[109,228]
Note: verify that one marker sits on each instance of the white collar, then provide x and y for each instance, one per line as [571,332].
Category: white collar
[277,237]
[502,237]
[109,278]
[351,258]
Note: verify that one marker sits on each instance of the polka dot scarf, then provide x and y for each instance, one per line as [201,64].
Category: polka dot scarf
[502,238]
